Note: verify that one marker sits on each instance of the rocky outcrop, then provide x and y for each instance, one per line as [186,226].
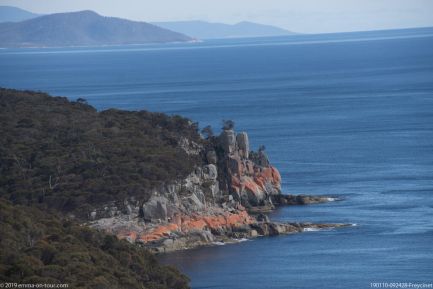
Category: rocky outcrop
[230,175]
[213,204]
[243,144]
[228,141]
[302,199]
[193,231]
[207,225]
[252,181]
[175,240]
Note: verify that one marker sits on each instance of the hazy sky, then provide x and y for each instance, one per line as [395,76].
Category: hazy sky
[308,16]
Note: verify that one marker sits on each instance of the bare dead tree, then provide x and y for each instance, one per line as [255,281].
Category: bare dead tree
[54,182]
[21,166]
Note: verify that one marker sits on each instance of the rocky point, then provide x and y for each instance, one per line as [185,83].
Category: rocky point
[220,201]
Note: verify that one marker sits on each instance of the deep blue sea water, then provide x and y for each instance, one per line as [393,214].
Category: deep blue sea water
[349,115]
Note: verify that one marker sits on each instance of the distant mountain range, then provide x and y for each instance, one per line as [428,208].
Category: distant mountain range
[21,28]
[14,14]
[207,30]
[84,28]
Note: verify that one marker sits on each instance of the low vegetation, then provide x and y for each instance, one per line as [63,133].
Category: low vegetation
[41,248]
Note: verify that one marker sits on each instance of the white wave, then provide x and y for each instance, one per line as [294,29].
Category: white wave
[241,240]
[311,229]
[325,229]
[231,241]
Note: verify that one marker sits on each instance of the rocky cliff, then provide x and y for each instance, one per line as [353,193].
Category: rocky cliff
[230,178]
[251,179]
[222,200]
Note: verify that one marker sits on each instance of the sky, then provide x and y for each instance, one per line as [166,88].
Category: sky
[303,16]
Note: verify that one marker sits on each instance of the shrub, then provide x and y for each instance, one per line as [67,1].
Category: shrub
[79,256]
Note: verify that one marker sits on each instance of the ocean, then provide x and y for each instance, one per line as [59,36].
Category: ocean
[348,115]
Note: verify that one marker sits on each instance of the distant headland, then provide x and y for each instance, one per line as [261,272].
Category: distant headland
[21,28]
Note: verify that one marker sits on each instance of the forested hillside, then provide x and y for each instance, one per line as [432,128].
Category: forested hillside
[64,155]
[37,247]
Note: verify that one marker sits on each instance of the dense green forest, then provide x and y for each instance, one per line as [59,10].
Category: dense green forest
[60,158]
[65,155]
[37,247]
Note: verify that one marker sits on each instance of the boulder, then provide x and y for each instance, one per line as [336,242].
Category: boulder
[263,159]
[261,228]
[211,157]
[200,195]
[262,218]
[210,172]
[228,141]
[235,165]
[276,229]
[168,243]
[300,199]
[155,208]
[236,195]
[218,231]
[243,144]
[193,203]
[212,191]
[206,236]
[243,229]
[129,209]
[254,198]
[113,211]
[271,189]
[249,167]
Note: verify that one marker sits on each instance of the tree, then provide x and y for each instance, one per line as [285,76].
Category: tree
[82,100]
[228,124]
[207,132]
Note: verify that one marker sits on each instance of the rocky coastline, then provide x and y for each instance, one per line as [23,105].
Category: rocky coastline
[223,201]
[84,191]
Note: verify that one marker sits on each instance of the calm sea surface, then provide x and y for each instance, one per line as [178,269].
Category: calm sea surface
[349,115]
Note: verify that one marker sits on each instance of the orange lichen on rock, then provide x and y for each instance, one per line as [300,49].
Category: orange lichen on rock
[198,222]
[159,232]
[256,183]
[254,186]
[271,174]
[276,175]
[194,224]
[239,219]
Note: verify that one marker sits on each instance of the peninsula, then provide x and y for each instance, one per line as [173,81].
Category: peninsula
[78,184]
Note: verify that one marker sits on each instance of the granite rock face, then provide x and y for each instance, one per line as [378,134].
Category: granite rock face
[220,201]
[243,144]
[228,141]
[252,180]
[216,227]
[211,157]
[156,208]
